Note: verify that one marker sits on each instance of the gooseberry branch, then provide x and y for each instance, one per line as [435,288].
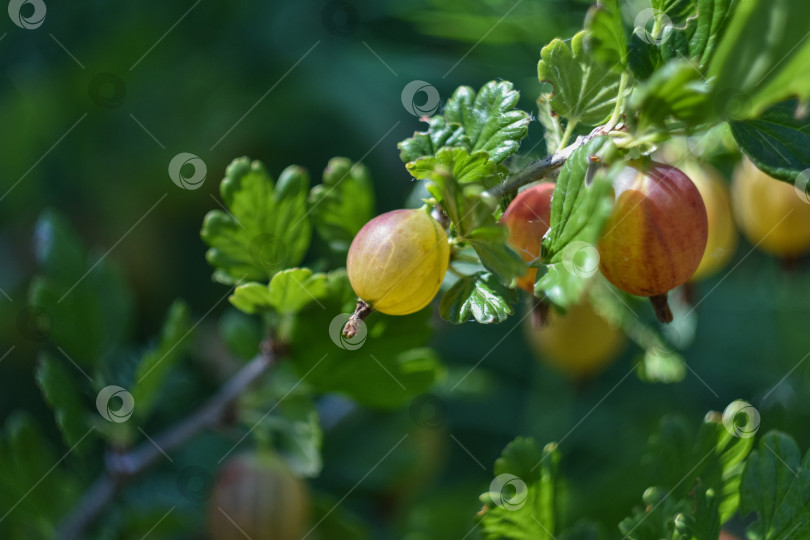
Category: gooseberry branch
[123,466]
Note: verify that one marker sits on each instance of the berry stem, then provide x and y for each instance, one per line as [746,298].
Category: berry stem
[361,311]
[661,307]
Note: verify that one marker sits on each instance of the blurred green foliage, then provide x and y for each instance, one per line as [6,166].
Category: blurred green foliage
[219,84]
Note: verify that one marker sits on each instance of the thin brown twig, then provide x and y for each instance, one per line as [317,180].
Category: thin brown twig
[545,167]
[122,466]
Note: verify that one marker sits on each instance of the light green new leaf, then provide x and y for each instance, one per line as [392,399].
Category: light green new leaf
[778,142]
[605,37]
[465,168]
[175,339]
[293,289]
[489,118]
[343,203]
[762,58]
[426,143]
[267,228]
[776,486]
[480,296]
[522,501]
[72,282]
[384,367]
[584,89]
[288,292]
[57,382]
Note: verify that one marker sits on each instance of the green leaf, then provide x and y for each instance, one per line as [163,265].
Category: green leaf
[57,383]
[643,57]
[778,142]
[385,367]
[34,493]
[343,203]
[461,197]
[522,501]
[480,296]
[776,486]
[486,121]
[293,289]
[490,243]
[426,143]
[465,168]
[241,333]
[605,37]
[677,457]
[762,58]
[267,227]
[158,361]
[698,38]
[578,212]
[85,304]
[676,90]
[288,292]
[552,131]
[489,118]
[584,89]
[294,427]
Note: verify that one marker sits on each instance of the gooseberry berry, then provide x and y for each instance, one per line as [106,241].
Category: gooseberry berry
[397,261]
[527,218]
[656,235]
[772,214]
[257,496]
[578,343]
